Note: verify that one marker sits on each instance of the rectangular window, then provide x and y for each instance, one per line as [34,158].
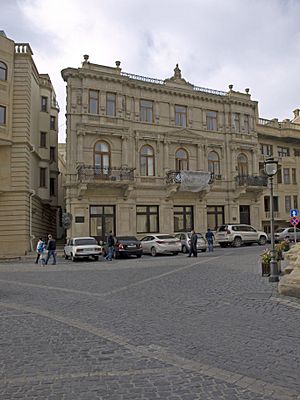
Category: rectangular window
[215,217]
[267,203]
[266,149]
[287,203]
[43,177]
[246,123]
[211,120]
[147,219]
[111,104]
[52,123]
[236,121]
[52,186]
[183,218]
[146,111]
[286,176]
[180,116]
[294,176]
[2,115]
[295,202]
[44,103]
[279,175]
[43,139]
[52,154]
[283,151]
[93,101]
[297,152]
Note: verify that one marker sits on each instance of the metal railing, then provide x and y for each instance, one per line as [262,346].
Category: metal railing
[162,82]
[250,180]
[90,173]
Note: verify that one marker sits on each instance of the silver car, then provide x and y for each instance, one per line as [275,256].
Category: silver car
[161,244]
[185,240]
[287,233]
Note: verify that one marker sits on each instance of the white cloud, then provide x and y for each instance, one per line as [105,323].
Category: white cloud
[247,43]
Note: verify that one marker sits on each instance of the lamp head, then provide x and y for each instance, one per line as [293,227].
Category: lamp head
[271,166]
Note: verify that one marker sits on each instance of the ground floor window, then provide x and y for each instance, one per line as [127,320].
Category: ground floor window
[215,216]
[183,218]
[102,221]
[147,220]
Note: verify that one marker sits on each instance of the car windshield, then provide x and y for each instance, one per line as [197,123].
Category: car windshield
[84,242]
[199,235]
[127,238]
[222,228]
[165,237]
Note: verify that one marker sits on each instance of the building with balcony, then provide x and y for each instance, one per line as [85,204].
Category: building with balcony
[281,140]
[147,155]
[28,150]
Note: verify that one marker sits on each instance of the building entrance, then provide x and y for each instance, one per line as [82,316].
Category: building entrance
[245,215]
[102,221]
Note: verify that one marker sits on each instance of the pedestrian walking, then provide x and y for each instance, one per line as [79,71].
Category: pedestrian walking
[193,244]
[51,247]
[40,248]
[110,246]
[210,239]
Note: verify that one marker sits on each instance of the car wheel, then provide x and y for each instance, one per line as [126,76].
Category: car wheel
[175,253]
[96,258]
[153,251]
[66,257]
[262,241]
[237,242]
[138,256]
[73,258]
[184,249]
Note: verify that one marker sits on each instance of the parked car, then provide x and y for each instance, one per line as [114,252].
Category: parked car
[126,246]
[161,244]
[185,240]
[81,247]
[237,234]
[286,234]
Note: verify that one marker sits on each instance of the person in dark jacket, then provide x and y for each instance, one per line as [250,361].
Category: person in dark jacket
[51,247]
[193,244]
[110,246]
[210,239]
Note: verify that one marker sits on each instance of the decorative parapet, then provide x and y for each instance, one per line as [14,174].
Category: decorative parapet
[23,48]
[251,180]
[274,123]
[93,174]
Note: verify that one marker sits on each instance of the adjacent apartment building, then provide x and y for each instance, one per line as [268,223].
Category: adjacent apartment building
[28,150]
[147,155]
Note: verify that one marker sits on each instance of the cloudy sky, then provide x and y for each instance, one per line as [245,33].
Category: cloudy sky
[247,43]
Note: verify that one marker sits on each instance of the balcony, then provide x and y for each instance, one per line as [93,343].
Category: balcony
[92,174]
[190,181]
[251,180]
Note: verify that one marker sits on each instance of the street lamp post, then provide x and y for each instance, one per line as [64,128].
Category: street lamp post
[271,167]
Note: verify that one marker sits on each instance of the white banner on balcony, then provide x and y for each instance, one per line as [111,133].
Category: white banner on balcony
[194,181]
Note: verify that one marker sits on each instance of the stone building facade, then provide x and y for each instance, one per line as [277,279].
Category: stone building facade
[139,149]
[28,150]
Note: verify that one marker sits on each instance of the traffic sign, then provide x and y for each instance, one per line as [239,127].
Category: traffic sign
[294,213]
[294,221]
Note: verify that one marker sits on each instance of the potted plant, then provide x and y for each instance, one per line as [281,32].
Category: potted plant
[265,258]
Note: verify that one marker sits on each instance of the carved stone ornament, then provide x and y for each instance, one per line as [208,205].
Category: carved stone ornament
[177,79]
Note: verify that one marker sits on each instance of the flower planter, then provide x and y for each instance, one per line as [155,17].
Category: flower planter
[265,269]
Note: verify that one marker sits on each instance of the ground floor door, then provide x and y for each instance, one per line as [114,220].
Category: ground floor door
[102,221]
[215,217]
[245,215]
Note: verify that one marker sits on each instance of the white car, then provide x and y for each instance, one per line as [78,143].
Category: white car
[81,247]
[237,234]
[161,244]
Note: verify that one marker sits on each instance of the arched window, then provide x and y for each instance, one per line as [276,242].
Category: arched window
[214,163]
[3,71]
[242,162]
[181,160]
[147,161]
[102,158]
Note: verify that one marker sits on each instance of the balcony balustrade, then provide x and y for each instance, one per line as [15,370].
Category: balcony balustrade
[94,174]
[251,180]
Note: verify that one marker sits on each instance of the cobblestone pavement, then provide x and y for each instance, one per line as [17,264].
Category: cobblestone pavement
[171,328]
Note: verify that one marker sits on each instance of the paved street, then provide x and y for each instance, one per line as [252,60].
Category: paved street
[169,327]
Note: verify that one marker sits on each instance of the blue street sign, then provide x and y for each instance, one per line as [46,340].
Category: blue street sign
[294,213]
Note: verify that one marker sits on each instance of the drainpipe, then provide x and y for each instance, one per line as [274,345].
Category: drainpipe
[32,193]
